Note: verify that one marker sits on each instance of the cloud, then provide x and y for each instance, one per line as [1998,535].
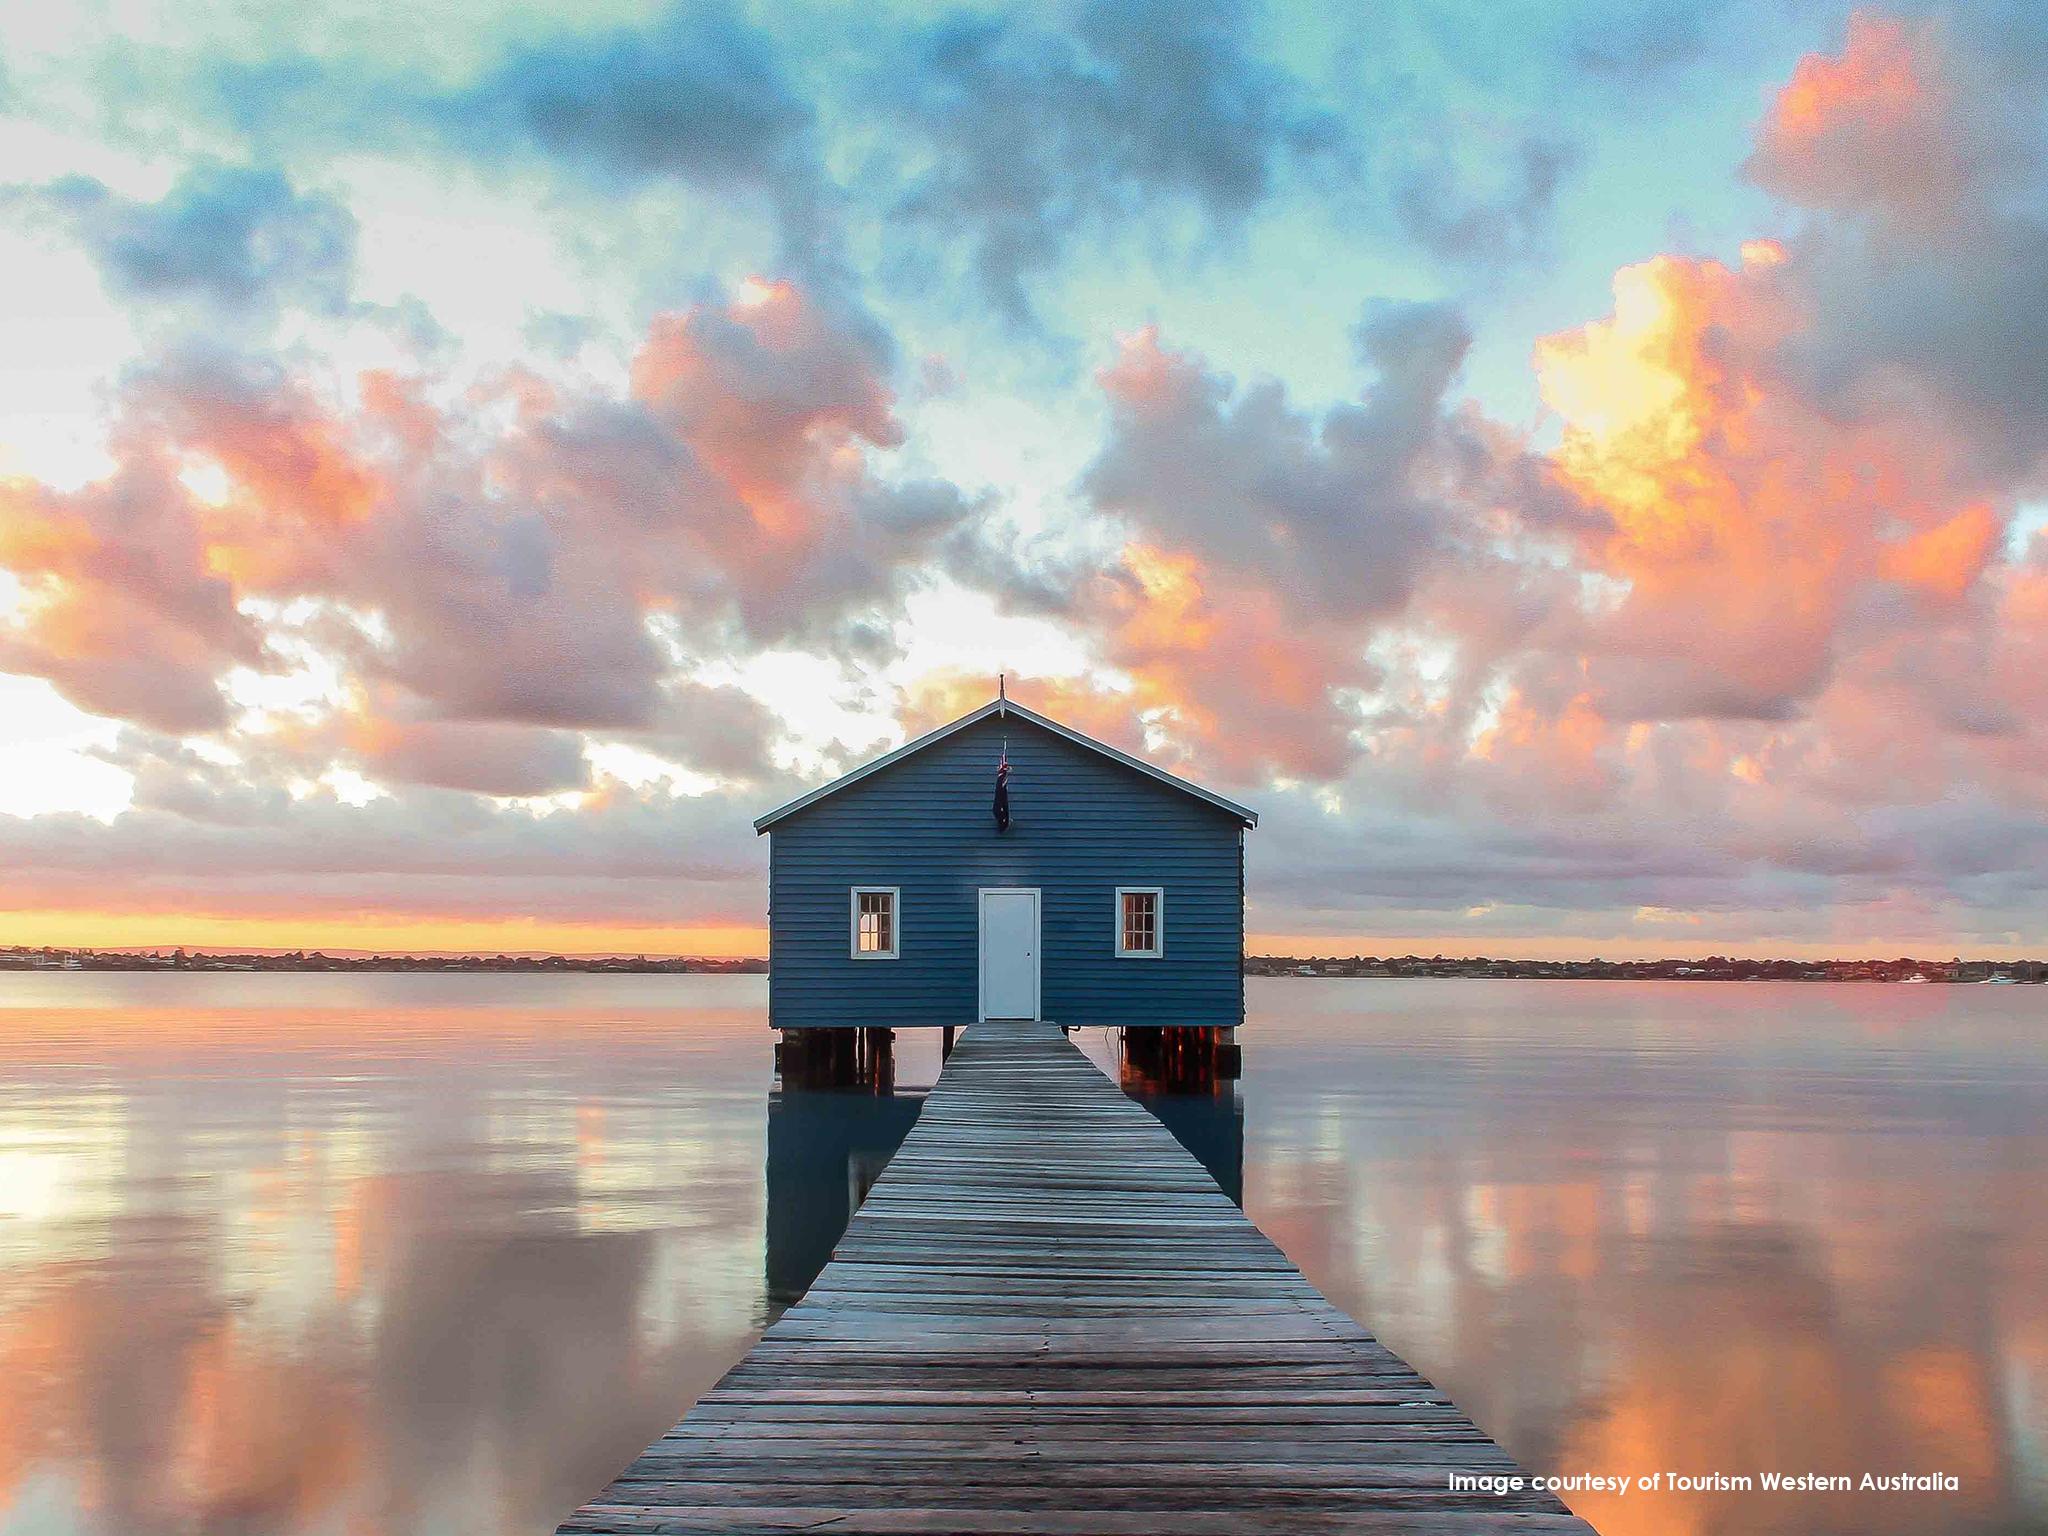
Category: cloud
[492,574]
[1745,645]
[1265,547]
[1924,166]
[200,843]
[240,239]
[1026,138]
[1333,510]
[1875,128]
[1641,40]
[719,730]
[695,95]
[488,757]
[1759,538]
[122,609]
[977,144]
[1509,221]
[1244,556]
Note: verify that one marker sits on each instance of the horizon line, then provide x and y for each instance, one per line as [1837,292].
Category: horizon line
[1356,955]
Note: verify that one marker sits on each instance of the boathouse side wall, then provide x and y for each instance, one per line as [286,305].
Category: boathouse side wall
[1081,825]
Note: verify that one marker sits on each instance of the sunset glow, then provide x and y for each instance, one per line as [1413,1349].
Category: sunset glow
[1611,525]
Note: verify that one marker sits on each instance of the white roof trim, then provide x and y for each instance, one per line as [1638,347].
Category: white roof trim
[1006,706]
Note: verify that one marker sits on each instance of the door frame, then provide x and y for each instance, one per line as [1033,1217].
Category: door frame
[982,895]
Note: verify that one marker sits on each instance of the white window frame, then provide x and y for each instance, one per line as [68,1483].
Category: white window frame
[1158,895]
[895,949]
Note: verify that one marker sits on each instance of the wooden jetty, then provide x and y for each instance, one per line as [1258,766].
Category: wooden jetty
[1047,1318]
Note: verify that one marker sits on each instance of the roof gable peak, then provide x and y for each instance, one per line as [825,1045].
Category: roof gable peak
[1004,706]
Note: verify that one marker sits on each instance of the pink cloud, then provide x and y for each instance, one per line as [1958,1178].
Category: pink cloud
[486,581]
[124,608]
[1875,128]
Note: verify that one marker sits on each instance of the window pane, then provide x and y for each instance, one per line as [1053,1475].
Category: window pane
[875,927]
[1141,921]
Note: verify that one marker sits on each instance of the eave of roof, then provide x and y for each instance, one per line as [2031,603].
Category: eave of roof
[1005,706]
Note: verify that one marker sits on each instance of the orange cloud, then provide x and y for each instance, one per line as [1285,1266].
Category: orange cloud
[1204,668]
[1873,128]
[281,449]
[1745,520]
[1877,80]
[1554,756]
[1242,686]
[768,445]
[122,610]
[1947,559]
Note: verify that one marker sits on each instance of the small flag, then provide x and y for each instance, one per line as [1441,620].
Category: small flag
[1002,805]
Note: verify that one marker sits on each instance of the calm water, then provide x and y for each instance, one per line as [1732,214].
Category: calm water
[439,1254]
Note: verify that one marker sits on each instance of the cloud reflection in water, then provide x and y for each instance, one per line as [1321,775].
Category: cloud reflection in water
[285,1255]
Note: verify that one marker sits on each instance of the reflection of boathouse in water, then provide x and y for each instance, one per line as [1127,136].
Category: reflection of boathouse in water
[827,1146]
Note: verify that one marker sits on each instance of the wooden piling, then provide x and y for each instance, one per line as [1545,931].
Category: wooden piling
[837,1058]
[1181,1059]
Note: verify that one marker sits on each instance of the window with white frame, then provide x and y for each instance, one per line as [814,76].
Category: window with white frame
[874,922]
[1140,922]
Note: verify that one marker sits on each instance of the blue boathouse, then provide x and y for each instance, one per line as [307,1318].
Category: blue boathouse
[1112,892]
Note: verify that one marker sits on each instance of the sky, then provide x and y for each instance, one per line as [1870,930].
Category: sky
[1577,471]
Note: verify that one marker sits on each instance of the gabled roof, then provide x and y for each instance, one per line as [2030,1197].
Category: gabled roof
[1006,707]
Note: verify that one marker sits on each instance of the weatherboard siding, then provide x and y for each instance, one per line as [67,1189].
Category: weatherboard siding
[1081,825]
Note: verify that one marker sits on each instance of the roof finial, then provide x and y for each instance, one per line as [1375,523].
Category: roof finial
[1002,694]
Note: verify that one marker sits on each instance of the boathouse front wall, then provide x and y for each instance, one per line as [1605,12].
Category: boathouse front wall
[1082,826]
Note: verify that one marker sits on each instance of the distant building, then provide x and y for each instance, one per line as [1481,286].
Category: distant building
[1114,895]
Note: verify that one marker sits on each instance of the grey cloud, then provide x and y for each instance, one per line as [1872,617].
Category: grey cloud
[155,681]
[1487,225]
[1922,232]
[720,730]
[241,239]
[1392,862]
[1340,512]
[631,856]
[485,757]
[1941,312]
[696,95]
[1027,137]
[169,776]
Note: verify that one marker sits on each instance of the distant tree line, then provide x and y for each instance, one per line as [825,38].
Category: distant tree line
[1713,968]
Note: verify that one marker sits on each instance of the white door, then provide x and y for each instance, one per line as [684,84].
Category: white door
[1009,954]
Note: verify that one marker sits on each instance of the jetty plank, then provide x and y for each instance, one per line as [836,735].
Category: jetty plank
[1047,1320]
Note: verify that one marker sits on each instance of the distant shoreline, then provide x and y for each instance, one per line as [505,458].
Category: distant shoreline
[1714,968]
[1406,967]
[319,962]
